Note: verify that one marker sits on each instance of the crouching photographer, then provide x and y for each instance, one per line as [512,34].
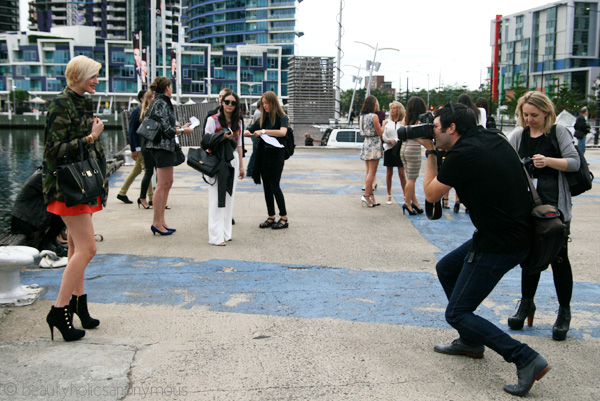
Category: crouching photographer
[487,174]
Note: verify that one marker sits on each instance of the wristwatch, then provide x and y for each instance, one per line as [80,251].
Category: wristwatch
[430,152]
[262,131]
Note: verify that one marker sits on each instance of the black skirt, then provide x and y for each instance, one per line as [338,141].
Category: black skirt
[164,158]
[391,158]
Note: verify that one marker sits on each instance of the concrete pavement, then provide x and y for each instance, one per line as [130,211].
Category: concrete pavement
[343,305]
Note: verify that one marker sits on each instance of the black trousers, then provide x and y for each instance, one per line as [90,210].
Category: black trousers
[271,167]
[148,171]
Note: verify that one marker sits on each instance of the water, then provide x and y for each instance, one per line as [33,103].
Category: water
[21,152]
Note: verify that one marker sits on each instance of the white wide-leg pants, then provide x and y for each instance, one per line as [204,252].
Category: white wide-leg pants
[219,218]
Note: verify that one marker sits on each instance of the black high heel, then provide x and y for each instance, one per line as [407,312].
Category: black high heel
[457,207]
[61,318]
[418,209]
[156,230]
[406,209]
[526,310]
[563,321]
[78,306]
[141,204]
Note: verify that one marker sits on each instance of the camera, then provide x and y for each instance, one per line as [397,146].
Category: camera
[528,163]
[423,130]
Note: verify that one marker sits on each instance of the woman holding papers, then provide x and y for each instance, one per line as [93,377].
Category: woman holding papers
[271,128]
[222,137]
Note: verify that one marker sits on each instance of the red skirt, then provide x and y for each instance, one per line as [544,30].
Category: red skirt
[60,209]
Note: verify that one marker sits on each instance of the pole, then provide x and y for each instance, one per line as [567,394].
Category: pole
[152,58]
[496,55]
[371,71]
[338,101]
[354,93]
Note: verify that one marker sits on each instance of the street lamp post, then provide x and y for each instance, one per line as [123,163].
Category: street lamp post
[372,64]
[357,80]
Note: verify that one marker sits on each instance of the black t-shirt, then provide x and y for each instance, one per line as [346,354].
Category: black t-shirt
[280,122]
[489,179]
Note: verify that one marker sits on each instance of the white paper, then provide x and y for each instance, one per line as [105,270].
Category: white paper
[195,122]
[271,140]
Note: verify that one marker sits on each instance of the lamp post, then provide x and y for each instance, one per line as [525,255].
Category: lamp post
[357,79]
[372,64]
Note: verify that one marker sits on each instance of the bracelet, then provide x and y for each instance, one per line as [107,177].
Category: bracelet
[430,152]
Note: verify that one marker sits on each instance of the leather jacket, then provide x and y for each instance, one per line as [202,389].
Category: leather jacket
[162,110]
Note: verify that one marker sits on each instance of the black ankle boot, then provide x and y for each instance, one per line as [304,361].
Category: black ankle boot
[526,310]
[78,306]
[561,327]
[61,318]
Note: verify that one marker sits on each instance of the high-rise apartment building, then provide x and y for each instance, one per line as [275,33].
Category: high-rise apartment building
[9,15]
[550,45]
[227,24]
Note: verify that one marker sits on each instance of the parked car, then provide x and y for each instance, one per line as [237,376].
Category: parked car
[344,138]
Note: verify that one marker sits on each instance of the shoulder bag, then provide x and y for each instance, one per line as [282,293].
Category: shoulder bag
[581,180]
[149,128]
[202,161]
[82,181]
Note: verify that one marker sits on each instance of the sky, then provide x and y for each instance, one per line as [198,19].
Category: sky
[440,42]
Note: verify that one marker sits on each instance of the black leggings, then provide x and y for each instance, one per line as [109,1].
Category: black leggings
[563,279]
[271,167]
[148,171]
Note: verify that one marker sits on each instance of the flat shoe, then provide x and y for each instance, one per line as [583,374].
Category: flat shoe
[457,347]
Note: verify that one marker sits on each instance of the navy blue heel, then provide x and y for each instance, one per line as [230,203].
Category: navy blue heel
[156,230]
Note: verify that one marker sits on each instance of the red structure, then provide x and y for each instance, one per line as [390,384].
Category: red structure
[495,65]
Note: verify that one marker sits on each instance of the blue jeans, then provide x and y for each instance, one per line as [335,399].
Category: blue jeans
[468,278]
[581,144]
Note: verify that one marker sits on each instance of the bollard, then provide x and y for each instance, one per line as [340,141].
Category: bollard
[12,293]
[127,157]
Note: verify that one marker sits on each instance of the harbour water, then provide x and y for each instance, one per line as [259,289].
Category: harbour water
[21,152]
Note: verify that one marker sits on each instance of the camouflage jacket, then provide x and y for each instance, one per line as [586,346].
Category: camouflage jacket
[161,110]
[69,120]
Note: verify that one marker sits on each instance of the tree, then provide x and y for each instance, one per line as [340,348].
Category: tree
[20,97]
[512,101]
[565,97]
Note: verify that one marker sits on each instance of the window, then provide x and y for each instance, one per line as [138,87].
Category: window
[23,70]
[346,136]
[118,57]
[53,85]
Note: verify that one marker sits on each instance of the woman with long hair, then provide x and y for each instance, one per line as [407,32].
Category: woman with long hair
[551,149]
[270,159]
[165,150]
[411,156]
[146,187]
[371,129]
[391,148]
[229,150]
[70,125]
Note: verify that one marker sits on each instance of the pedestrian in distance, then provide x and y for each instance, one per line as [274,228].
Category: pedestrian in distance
[487,174]
[411,156]
[582,128]
[136,154]
[551,155]
[149,165]
[70,125]
[270,158]
[165,150]
[224,132]
[391,148]
[371,129]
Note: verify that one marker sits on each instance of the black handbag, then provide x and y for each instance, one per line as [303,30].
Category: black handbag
[202,161]
[581,180]
[82,181]
[149,128]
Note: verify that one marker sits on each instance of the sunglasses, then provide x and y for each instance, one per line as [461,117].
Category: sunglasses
[230,103]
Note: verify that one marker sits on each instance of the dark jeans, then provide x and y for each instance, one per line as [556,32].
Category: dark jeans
[271,167]
[468,278]
[148,171]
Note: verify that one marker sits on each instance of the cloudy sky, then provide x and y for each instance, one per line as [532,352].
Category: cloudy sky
[443,42]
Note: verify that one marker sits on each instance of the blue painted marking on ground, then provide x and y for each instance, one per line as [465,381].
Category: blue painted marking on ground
[407,298]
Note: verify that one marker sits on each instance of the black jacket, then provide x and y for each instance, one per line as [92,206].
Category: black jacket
[134,123]
[162,110]
[224,151]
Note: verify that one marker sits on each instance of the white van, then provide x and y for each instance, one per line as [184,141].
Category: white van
[345,138]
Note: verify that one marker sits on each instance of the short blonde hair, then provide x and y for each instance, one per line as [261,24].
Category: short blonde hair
[542,102]
[401,110]
[81,67]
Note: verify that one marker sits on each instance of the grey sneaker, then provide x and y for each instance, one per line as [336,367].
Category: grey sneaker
[459,348]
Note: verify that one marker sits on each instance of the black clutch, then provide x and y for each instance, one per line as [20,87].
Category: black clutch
[202,161]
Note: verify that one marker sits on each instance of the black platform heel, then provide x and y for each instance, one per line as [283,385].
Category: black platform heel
[563,321]
[406,209]
[526,310]
[62,319]
[78,306]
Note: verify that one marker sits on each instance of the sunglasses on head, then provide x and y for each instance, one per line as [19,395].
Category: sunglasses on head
[230,102]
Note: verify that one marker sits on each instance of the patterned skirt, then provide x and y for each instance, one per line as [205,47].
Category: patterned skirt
[371,148]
